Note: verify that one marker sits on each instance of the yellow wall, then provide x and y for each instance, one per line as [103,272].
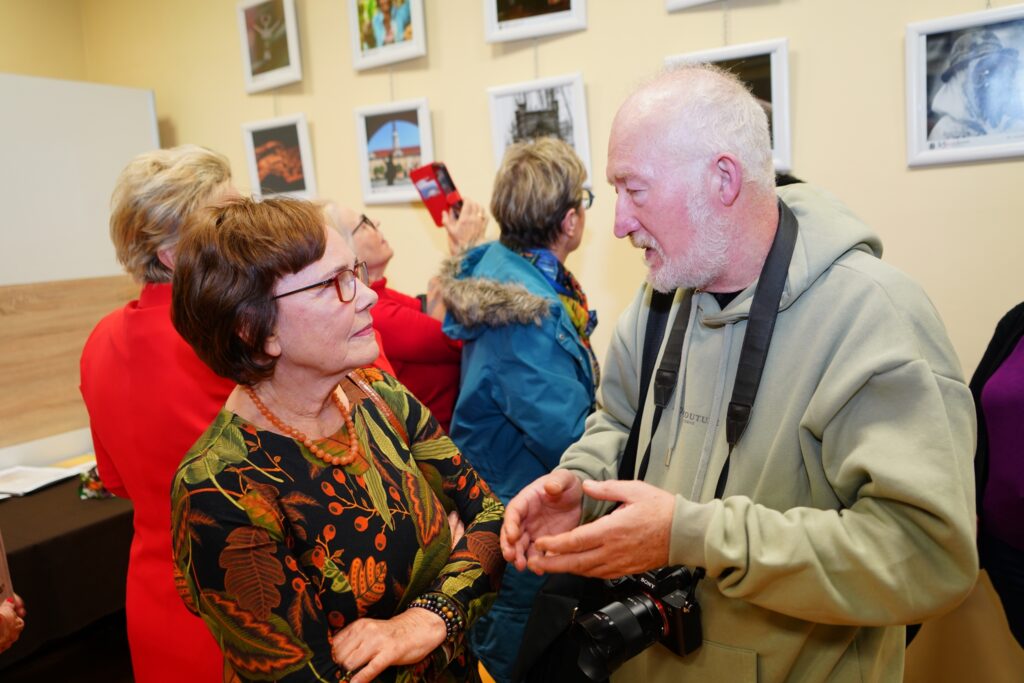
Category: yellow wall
[954,228]
[42,38]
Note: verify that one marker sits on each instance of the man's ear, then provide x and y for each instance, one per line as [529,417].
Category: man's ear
[166,256]
[728,178]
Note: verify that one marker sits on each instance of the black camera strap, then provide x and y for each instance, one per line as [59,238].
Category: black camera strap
[753,354]
[660,306]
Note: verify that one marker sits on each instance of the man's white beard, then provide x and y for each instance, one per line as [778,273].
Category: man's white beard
[702,263]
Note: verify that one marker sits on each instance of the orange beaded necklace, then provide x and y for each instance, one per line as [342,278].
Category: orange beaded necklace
[353,442]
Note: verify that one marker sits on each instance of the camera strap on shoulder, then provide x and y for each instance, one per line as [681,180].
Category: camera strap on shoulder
[657,317]
[753,354]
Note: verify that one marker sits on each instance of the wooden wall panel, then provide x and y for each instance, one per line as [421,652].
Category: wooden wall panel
[43,327]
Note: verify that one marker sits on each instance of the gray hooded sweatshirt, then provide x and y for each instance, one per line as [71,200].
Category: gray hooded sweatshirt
[849,504]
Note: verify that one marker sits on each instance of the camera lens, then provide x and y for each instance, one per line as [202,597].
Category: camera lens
[620,630]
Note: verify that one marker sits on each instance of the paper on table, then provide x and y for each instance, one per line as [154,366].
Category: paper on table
[79,463]
[20,479]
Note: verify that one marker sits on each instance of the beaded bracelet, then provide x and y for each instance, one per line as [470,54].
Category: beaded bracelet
[444,607]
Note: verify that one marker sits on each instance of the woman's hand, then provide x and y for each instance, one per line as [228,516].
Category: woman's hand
[435,307]
[467,229]
[457,527]
[12,612]
[376,644]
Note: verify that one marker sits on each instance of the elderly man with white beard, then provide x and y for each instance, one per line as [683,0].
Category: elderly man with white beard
[810,462]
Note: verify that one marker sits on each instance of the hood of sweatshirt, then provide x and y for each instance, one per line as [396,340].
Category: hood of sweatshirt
[836,231]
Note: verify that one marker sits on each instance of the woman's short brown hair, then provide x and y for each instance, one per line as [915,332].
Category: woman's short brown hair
[154,196]
[229,259]
[538,182]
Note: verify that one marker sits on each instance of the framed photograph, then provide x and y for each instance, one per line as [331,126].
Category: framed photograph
[965,87]
[673,5]
[270,43]
[393,139]
[547,107]
[386,31]
[518,19]
[764,67]
[280,157]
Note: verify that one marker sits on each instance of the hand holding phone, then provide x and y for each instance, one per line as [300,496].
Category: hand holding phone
[437,190]
[466,230]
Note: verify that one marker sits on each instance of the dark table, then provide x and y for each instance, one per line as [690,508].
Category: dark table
[68,559]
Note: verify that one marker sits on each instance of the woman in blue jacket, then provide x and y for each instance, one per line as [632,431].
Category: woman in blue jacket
[529,375]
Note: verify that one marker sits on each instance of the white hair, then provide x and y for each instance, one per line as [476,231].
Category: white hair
[332,214]
[716,112]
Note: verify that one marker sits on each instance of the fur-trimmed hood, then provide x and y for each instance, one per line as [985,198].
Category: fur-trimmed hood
[492,286]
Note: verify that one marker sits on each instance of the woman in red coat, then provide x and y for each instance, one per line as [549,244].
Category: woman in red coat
[149,397]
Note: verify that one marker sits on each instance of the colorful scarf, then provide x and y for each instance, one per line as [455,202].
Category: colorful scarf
[571,294]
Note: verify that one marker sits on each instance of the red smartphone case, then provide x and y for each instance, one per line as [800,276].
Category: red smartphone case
[437,190]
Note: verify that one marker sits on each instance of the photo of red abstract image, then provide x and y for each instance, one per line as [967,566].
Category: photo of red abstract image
[279,160]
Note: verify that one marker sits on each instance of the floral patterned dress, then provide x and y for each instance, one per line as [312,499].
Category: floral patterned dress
[276,551]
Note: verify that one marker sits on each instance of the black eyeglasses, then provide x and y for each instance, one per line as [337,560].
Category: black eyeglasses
[364,222]
[586,198]
[344,283]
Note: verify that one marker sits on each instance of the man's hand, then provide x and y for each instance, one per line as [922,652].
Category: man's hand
[631,539]
[550,505]
[369,646]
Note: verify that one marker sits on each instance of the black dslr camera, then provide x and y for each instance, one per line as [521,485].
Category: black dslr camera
[656,606]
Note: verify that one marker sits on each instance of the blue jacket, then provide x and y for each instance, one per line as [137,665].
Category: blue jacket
[526,389]
[527,383]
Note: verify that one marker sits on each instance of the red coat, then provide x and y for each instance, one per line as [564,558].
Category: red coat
[425,360]
[149,398]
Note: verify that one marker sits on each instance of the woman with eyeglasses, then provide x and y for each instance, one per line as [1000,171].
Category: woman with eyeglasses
[425,359]
[310,519]
[529,375]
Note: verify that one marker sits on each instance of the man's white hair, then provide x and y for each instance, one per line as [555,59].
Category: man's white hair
[718,113]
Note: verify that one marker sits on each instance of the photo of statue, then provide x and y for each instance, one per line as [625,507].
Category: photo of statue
[976,84]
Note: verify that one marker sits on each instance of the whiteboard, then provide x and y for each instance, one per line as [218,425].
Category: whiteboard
[62,146]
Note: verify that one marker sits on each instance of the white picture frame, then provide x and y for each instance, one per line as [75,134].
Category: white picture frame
[947,120]
[753,62]
[269,38]
[507,20]
[550,106]
[374,45]
[279,157]
[386,155]
[676,5]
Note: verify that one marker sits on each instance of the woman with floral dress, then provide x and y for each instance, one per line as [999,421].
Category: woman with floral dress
[309,520]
